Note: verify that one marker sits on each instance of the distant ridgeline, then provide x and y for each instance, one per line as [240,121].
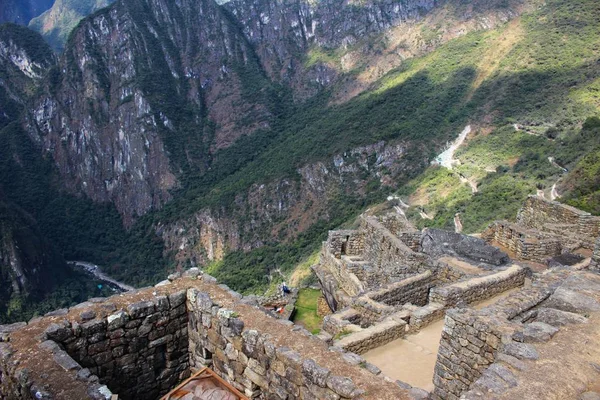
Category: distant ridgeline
[150,145]
[22,11]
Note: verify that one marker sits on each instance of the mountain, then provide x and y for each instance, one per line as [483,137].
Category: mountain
[190,79]
[234,136]
[24,60]
[56,24]
[34,277]
[227,123]
[534,122]
[22,11]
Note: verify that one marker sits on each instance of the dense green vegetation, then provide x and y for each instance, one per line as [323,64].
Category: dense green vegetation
[249,272]
[80,229]
[306,310]
[546,80]
[56,24]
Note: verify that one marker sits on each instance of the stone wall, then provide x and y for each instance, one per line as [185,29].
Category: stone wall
[16,381]
[140,353]
[344,242]
[471,340]
[344,320]
[467,347]
[395,223]
[411,239]
[595,261]
[371,310]
[144,342]
[249,360]
[480,288]
[389,258]
[333,276]
[423,316]
[374,336]
[10,378]
[322,307]
[524,244]
[414,290]
[538,212]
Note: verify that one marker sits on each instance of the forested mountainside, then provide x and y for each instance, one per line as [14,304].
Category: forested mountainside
[22,11]
[56,23]
[187,133]
[33,272]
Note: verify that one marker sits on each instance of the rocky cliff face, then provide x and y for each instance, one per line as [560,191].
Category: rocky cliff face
[24,58]
[283,209]
[148,90]
[283,32]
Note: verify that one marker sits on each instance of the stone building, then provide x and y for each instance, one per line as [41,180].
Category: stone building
[524,327]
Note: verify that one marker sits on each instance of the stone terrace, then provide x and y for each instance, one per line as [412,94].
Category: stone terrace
[544,231]
[531,344]
[140,344]
[385,281]
[385,289]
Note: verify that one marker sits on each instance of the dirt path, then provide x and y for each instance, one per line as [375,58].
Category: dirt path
[424,215]
[457,224]
[471,183]
[446,158]
[554,193]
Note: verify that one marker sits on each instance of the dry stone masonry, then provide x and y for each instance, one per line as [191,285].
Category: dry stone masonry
[396,290]
[381,282]
[139,345]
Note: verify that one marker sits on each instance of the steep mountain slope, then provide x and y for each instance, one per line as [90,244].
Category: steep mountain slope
[532,125]
[22,11]
[34,277]
[310,45]
[24,59]
[239,134]
[159,78]
[196,77]
[56,23]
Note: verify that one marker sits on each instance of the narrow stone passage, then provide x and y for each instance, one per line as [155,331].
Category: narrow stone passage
[412,359]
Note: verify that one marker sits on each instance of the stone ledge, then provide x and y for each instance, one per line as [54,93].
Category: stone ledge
[375,336]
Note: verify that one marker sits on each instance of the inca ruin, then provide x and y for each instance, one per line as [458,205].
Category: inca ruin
[412,314]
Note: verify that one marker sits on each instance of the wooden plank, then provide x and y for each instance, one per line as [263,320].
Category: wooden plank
[196,376]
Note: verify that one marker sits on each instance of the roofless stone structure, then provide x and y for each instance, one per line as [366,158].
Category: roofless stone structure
[385,283]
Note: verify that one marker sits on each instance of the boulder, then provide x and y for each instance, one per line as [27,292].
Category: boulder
[537,332]
[522,351]
[571,301]
[554,317]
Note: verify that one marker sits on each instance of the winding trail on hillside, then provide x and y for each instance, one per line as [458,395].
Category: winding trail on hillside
[95,270]
[554,193]
[473,185]
[424,215]
[446,158]
[457,223]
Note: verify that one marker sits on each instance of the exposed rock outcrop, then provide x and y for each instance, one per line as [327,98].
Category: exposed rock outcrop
[286,207]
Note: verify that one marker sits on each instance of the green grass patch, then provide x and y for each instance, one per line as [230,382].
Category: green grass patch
[306,310]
